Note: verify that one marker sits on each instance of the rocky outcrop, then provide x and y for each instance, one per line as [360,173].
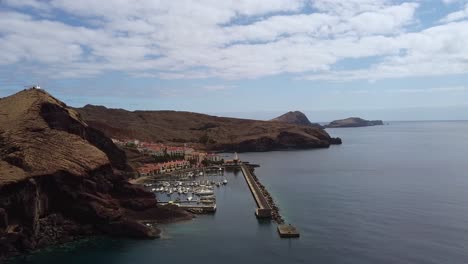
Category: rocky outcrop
[58,117]
[61,179]
[296,118]
[285,140]
[353,122]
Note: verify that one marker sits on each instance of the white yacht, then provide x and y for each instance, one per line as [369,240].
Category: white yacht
[205,192]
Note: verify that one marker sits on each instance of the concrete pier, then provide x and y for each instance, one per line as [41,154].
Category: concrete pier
[287,231]
[195,208]
[264,208]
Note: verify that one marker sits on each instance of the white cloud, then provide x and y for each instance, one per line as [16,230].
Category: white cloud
[348,8]
[219,87]
[227,39]
[39,5]
[447,89]
[435,51]
[455,16]
[447,2]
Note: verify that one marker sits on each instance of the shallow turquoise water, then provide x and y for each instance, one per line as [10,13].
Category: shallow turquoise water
[389,194]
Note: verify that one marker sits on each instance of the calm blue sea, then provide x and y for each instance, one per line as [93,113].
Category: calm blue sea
[390,194]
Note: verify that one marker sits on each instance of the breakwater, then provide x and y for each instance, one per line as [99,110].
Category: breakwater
[275,214]
[266,204]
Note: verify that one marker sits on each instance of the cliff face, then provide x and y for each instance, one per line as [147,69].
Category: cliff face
[209,132]
[61,179]
[353,122]
[296,118]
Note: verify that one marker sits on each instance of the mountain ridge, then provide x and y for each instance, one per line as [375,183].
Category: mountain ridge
[297,118]
[208,132]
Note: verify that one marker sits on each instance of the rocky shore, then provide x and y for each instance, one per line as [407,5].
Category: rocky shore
[61,180]
[275,211]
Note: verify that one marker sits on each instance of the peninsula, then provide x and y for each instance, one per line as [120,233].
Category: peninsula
[207,132]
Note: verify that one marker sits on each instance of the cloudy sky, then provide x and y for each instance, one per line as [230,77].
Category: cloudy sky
[393,60]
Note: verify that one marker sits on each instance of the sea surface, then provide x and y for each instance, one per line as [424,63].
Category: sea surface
[390,194]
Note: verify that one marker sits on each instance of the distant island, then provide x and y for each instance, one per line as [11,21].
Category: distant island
[296,118]
[354,122]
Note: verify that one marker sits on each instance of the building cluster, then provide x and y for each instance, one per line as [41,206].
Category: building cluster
[197,157]
[184,156]
[155,149]
[160,150]
[151,169]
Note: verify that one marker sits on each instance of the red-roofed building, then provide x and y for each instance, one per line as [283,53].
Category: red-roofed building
[175,151]
[151,169]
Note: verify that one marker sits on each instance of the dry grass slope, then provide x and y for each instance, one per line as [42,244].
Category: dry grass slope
[210,132]
[30,147]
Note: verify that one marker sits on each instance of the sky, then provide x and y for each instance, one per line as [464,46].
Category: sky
[377,59]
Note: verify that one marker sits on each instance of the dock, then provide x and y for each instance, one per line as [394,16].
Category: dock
[263,207]
[287,231]
[195,208]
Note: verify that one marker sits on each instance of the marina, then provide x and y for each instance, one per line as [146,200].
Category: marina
[194,191]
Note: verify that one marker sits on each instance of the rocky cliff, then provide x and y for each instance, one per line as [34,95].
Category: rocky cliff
[208,132]
[296,118]
[354,122]
[61,179]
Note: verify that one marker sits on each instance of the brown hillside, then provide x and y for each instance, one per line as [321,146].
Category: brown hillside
[61,179]
[211,132]
[39,135]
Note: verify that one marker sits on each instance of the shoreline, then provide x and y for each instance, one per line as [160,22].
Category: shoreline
[78,239]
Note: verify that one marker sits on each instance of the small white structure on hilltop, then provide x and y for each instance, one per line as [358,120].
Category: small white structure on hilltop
[33,87]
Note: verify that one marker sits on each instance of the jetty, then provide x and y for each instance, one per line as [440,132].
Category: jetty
[264,209]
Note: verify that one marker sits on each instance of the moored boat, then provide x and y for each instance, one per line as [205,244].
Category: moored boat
[205,192]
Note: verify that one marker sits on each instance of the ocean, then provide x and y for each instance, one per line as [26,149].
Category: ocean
[390,194]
